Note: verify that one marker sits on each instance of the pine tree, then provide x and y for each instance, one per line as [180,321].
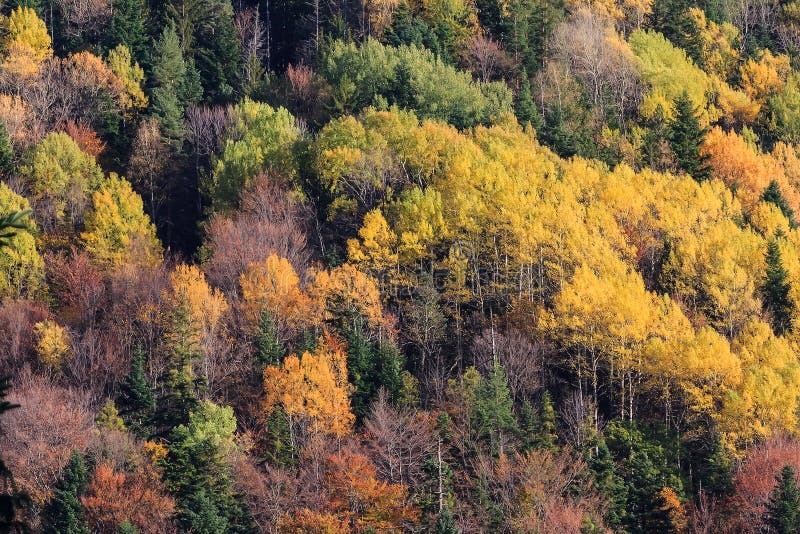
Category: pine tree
[6,153]
[686,139]
[774,195]
[126,528]
[610,484]
[524,106]
[127,27]
[136,399]
[64,513]
[182,387]
[269,349]
[168,84]
[494,409]
[546,431]
[783,507]
[776,289]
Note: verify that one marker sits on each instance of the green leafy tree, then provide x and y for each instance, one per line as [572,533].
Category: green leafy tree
[198,473]
[686,139]
[109,418]
[776,288]
[64,513]
[783,506]
[126,528]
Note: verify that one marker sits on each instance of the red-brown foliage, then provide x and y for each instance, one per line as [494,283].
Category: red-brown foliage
[269,222]
[39,436]
[85,137]
[756,479]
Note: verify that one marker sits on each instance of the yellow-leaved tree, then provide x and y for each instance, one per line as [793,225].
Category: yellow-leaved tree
[117,229]
[312,390]
[21,267]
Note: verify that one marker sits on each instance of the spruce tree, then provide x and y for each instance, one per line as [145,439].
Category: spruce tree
[546,431]
[182,387]
[686,138]
[269,349]
[6,153]
[126,527]
[136,399]
[524,106]
[127,27]
[776,289]
[783,506]
[494,409]
[774,196]
[64,513]
[168,84]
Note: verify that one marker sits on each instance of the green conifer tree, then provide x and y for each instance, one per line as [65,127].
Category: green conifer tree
[64,513]
[127,27]
[524,106]
[6,153]
[493,410]
[686,138]
[136,398]
[269,349]
[546,431]
[776,288]
[126,527]
[774,195]
[168,83]
[783,506]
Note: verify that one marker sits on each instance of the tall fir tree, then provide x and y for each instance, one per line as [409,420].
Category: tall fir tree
[776,288]
[6,154]
[136,399]
[181,386]
[493,410]
[783,506]
[127,27]
[686,138]
[269,349]
[168,83]
[524,106]
[64,512]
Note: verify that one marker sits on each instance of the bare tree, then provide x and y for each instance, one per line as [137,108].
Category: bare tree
[84,17]
[399,441]
[269,222]
[521,359]
[591,50]
[254,47]
[148,165]
[485,57]
[39,437]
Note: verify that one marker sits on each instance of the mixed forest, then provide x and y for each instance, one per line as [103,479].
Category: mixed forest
[447,266]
